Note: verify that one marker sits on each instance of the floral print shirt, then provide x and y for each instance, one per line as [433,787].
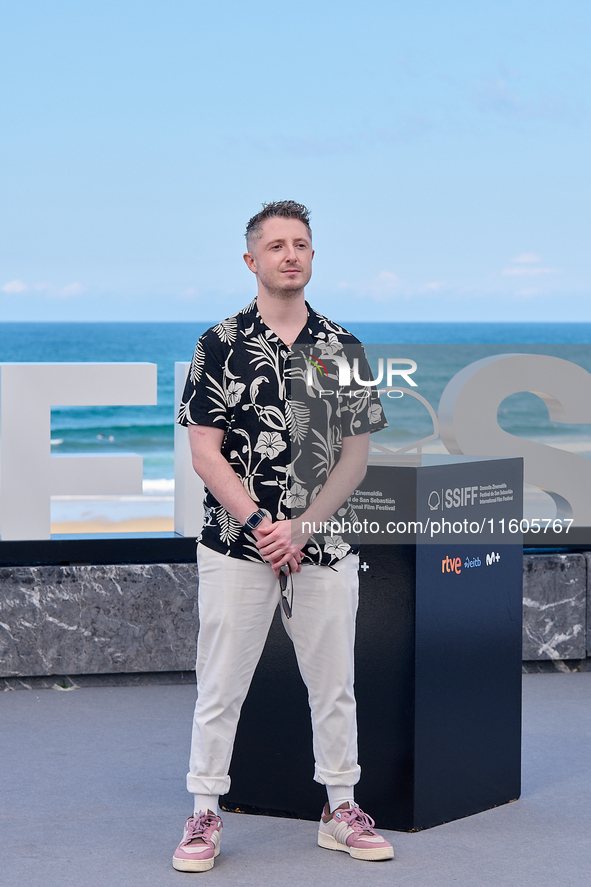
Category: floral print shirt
[284,412]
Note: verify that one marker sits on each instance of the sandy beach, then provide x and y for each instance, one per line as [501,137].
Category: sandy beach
[135,525]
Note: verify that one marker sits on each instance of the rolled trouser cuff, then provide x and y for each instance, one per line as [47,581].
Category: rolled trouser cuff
[208,785]
[337,777]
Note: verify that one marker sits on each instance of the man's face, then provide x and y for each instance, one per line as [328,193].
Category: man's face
[282,256]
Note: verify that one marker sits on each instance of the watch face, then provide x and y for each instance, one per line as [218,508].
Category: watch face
[254,520]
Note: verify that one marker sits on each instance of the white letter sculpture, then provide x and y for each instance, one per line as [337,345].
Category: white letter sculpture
[468,423]
[29,474]
[188,486]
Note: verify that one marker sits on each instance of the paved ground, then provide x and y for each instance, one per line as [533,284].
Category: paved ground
[92,795]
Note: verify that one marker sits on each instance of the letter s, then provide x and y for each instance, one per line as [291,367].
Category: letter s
[468,422]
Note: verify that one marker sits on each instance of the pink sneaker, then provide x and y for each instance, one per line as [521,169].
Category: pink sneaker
[352,830]
[200,844]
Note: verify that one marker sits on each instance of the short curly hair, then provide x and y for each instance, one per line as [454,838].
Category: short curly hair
[285,209]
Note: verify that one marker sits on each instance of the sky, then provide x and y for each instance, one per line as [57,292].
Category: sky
[442,148]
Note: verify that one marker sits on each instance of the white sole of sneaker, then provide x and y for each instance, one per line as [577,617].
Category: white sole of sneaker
[330,843]
[195,865]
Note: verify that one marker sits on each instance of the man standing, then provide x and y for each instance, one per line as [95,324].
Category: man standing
[248,436]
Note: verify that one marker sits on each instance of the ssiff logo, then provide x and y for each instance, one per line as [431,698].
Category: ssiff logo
[456,498]
[451,565]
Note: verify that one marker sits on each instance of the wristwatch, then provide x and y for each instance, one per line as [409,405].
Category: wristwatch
[253,520]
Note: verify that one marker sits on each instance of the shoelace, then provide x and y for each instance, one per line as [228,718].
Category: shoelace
[200,824]
[358,820]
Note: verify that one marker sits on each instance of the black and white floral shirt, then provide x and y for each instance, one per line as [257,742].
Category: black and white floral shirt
[284,416]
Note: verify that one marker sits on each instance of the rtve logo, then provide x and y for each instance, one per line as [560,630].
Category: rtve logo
[451,565]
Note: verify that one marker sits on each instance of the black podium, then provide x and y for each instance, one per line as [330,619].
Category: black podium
[438,657]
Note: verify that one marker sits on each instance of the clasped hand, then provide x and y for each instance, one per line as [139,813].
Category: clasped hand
[279,543]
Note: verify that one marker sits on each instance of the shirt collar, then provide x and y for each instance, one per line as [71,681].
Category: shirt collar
[316,327]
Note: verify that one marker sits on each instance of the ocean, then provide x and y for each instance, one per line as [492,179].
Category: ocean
[148,431]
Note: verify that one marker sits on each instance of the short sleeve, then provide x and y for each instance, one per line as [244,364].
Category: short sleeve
[361,409]
[204,400]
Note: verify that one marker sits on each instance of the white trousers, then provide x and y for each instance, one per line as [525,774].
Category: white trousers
[237,600]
